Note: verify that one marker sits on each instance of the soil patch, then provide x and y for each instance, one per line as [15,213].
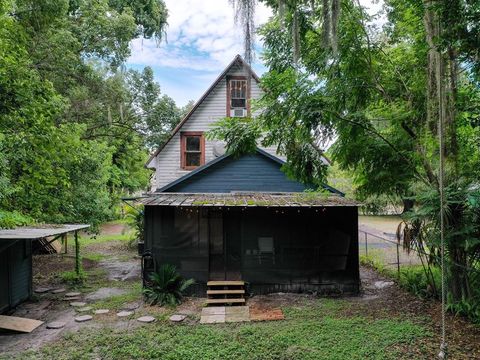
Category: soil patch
[47,268]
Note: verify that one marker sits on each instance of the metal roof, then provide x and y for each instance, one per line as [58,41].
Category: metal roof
[40,232]
[246,199]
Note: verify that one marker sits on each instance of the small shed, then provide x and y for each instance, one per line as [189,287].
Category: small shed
[16,260]
[272,241]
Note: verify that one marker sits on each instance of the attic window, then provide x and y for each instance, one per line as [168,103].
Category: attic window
[192,149]
[238,93]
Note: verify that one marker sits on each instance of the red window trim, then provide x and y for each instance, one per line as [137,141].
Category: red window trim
[183,143]
[238,77]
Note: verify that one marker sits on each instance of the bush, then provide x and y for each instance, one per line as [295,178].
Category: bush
[72,278]
[136,219]
[11,219]
[167,286]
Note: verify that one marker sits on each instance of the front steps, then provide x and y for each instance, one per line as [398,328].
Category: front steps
[226,293]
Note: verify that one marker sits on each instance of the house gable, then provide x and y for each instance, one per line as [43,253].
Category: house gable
[209,109]
[259,172]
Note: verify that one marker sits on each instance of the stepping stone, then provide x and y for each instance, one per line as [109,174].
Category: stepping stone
[78,304]
[146,319]
[131,306]
[212,319]
[73,293]
[84,309]
[55,325]
[125,313]
[83,318]
[383,284]
[58,291]
[177,318]
[42,290]
[101,311]
[73,298]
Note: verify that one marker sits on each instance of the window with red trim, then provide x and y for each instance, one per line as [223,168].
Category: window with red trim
[192,149]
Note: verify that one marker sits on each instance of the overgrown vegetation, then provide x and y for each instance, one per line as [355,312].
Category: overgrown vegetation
[75,127]
[166,286]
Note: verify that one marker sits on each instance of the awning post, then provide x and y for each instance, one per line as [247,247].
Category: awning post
[77,254]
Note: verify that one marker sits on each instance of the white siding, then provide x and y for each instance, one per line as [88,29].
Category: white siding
[212,109]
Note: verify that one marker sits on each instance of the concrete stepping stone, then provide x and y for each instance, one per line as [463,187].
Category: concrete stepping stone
[131,306]
[73,293]
[146,319]
[177,318]
[101,311]
[56,325]
[58,291]
[125,313]
[83,318]
[78,304]
[42,290]
[84,309]
[73,298]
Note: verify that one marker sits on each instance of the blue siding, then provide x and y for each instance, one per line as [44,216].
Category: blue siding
[254,172]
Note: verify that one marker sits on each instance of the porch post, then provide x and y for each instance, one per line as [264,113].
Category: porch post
[77,254]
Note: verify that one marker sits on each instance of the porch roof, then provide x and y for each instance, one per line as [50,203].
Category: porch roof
[243,199]
[40,231]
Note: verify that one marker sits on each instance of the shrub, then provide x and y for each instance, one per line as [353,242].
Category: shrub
[167,286]
[136,220]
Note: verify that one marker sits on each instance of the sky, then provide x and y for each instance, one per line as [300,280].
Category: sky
[202,38]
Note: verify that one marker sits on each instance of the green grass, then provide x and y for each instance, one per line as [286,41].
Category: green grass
[98,239]
[133,293]
[317,331]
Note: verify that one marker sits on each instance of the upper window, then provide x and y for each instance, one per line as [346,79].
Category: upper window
[192,150]
[238,94]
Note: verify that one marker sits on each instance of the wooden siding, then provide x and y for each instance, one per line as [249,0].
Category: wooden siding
[248,173]
[212,109]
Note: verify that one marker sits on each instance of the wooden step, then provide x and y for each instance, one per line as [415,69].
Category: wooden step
[225,301]
[225,292]
[226,283]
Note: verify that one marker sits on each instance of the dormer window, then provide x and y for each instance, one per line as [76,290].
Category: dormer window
[237,96]
[192,149]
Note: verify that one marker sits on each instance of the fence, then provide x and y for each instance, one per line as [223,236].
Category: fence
[384,248]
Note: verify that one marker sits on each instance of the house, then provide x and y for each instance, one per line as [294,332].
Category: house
[223,218]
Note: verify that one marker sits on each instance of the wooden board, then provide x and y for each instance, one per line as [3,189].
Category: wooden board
[225,283]
[224,292]
[19,324]
[225,301]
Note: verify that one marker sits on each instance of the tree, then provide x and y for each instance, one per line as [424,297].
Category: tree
[367,88]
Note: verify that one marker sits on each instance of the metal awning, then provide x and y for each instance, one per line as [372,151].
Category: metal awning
[250,199]
[40,232]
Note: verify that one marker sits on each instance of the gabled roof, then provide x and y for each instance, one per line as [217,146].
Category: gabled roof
[237,59]
[223,157]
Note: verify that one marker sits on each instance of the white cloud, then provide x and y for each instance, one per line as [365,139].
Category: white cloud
[201,35]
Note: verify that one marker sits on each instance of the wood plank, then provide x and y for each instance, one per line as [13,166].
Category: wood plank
[225,283]
[19,324]
[224,292]
[225,301]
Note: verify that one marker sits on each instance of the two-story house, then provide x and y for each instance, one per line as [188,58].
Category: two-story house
[224,218]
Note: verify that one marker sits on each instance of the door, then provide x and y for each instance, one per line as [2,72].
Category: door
[233,245]
[217,266]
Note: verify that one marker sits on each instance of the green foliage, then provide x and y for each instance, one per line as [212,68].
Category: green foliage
[167,286]
[240,134]
[11,219]
[136,220]
[72,278]
[71,128]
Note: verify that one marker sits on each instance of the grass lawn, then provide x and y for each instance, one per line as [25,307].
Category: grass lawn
[317,330]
